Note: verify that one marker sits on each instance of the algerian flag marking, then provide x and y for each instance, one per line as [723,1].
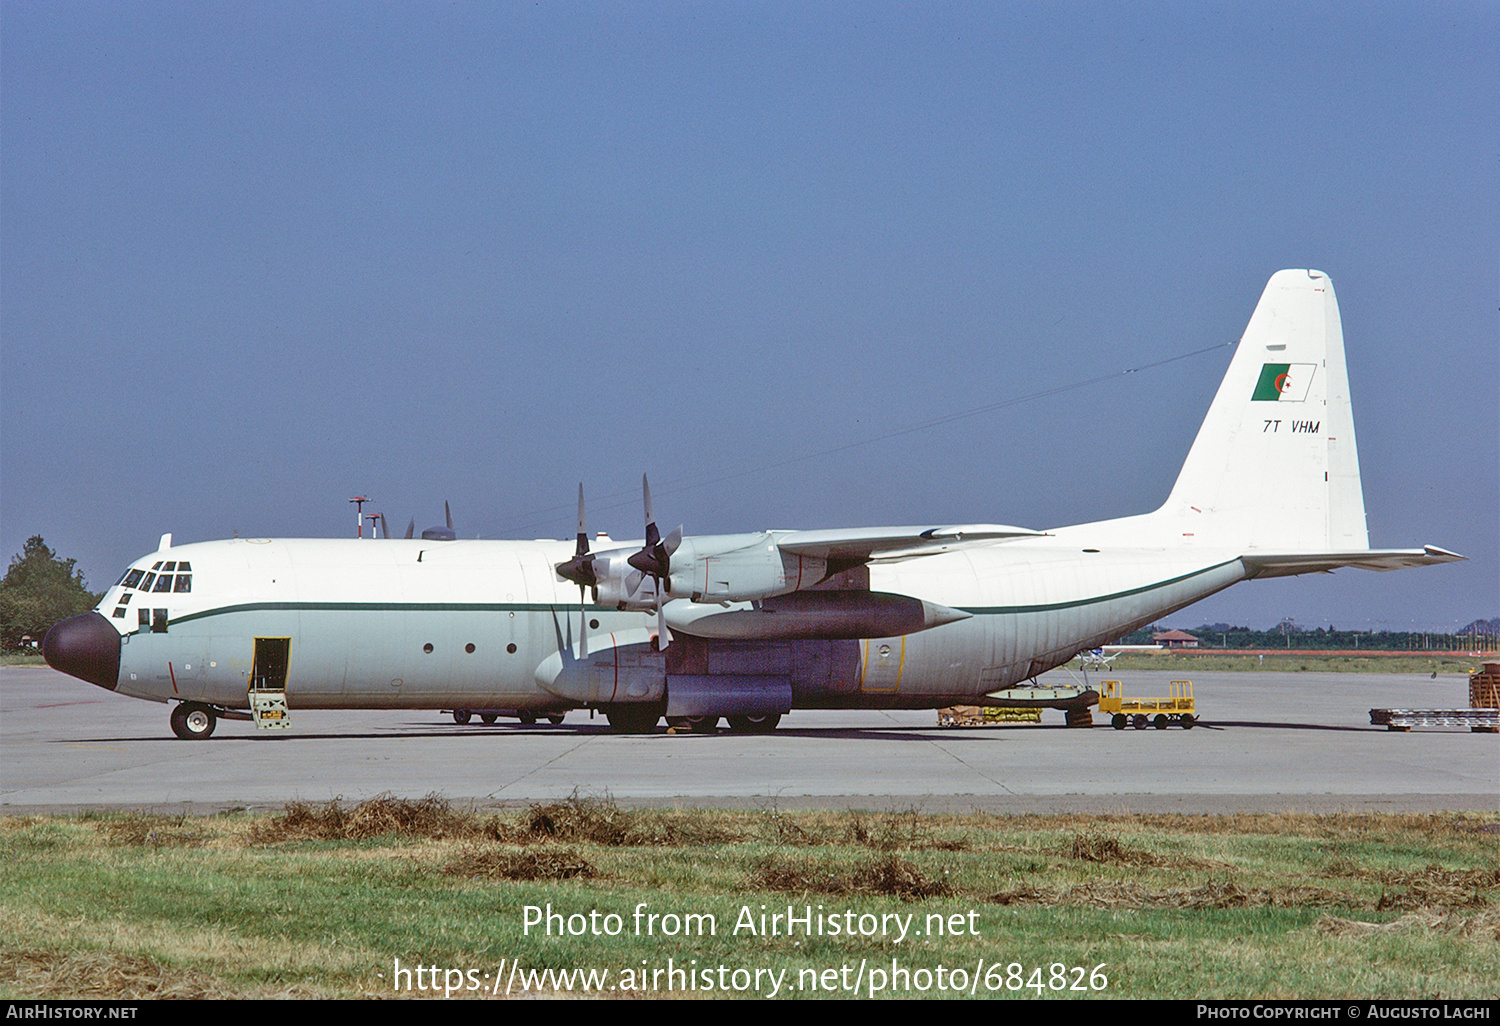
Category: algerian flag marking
[1283,382]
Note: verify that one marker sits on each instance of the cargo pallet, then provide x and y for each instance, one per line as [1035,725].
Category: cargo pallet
[980,715]
[1140,713]
[1482,716]
[1480,721]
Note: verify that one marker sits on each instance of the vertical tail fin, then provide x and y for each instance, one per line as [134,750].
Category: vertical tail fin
[1275,465]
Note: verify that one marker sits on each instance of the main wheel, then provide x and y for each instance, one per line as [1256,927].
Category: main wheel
[487,717]
[526,716]
[633,719]
[555,718]
[192,721]
[462,716]
[754,724]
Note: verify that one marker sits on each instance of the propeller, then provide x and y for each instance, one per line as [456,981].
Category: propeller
[442,533]
[428,533]
[580,570]
[655,560]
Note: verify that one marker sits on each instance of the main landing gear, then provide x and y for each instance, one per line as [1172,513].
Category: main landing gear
[763,724]
[633,719]
[642,719]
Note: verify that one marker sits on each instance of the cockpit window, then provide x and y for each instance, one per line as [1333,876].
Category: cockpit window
[156,565]
[184,566]
[184,583]
[170,566]
[164,583]
[132,578]
[146,584]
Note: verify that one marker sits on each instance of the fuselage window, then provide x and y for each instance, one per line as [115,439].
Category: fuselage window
[184,583]
[146,584]
[164,582]
[133,577]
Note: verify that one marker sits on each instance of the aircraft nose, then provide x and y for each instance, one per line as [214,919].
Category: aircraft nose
[86,647]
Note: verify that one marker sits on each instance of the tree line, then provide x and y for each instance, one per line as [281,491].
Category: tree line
[37,591]
[1288,635]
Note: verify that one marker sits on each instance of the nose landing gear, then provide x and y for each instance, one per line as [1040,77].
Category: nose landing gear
[193,721]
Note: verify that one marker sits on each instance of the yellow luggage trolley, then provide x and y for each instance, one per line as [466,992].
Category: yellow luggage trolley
[1142,712]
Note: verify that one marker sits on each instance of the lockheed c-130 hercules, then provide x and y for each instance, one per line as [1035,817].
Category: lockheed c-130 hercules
[752,626]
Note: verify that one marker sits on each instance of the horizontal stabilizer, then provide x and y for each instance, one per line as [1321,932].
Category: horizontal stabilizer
[1290,564]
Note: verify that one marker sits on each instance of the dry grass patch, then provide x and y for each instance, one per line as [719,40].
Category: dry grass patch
[541,863]
[104,974]
[1435,886]
[908,830]
[429,817]
[1106,849]
[1211,894]
[1484,926]
[891,875]
[597,819]
[147,830]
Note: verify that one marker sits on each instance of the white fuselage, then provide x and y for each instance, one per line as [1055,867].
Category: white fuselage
[422,624]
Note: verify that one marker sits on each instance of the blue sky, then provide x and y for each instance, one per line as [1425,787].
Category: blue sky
[256,259]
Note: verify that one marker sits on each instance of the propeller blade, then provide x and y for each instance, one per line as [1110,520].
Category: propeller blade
[583,626]
[653,558]
[385,532]
[410,528]
[663,636]
[448,514]
[580,569]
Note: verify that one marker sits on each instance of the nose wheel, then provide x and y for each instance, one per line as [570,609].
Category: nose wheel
[192,721]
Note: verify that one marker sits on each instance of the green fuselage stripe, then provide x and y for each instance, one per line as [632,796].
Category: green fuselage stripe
[1075,603]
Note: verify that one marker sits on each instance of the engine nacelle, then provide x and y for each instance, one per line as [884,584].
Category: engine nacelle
[739,568]
[622,585]
[714,568]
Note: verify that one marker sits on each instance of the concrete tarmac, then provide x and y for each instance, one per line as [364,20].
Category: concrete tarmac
[1268,742]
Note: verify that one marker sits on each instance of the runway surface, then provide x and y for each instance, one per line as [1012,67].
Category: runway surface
[1269,742]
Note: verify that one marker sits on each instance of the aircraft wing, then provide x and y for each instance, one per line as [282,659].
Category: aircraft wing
[862,544]
[1291,563]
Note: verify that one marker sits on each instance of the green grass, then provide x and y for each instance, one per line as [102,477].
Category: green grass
[1294,661]
[321,901]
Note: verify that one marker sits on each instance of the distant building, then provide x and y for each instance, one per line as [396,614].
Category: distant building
[1174,639]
